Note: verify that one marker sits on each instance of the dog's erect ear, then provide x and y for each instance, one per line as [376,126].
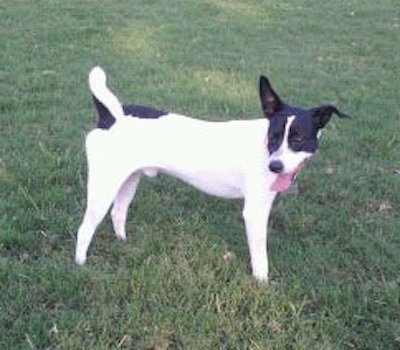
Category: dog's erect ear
[322,114]
[270,101]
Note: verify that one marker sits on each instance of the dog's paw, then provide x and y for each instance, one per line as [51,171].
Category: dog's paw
[261,276]
[80,260]
[121,236]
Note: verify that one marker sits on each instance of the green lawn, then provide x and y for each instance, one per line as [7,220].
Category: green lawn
[182,279]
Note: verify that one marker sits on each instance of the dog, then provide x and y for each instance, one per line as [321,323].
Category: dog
[249,159]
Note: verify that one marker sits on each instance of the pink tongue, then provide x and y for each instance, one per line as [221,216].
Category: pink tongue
[282,183]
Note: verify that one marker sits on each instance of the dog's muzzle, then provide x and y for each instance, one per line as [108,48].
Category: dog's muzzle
[283,181]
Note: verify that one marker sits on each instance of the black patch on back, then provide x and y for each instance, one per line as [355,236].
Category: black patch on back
[106,119]
[143,111]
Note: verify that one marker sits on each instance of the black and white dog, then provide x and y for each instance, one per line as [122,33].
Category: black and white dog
[250,159]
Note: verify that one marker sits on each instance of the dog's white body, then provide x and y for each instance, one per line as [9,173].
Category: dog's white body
[226,159]
[212,156]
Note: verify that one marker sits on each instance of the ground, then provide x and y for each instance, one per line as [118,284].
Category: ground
[182,279]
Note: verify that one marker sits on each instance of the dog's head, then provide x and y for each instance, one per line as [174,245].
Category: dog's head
[293,134]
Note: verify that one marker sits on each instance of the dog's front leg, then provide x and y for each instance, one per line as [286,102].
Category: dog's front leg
[256,213]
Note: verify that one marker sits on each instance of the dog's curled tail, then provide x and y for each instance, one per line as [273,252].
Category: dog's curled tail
[107,104]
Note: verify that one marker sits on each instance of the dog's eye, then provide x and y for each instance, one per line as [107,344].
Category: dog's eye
[297,139]
[297,142]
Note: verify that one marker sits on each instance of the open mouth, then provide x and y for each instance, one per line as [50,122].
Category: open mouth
[283,181]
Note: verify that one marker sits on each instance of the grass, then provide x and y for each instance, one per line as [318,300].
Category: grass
[182,279]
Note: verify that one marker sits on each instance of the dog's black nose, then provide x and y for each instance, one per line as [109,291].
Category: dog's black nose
[276,166]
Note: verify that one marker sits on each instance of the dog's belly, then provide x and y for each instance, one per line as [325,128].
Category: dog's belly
[220,185]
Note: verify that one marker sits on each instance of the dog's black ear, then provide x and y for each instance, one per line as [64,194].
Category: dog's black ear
[270,101]
[322,114]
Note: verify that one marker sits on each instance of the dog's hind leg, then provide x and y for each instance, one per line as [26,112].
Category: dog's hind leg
[121,204]
[101,192]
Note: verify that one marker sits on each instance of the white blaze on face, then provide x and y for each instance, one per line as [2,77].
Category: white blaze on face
[290,159]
